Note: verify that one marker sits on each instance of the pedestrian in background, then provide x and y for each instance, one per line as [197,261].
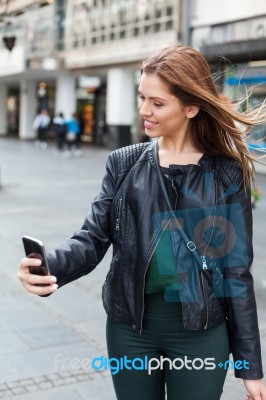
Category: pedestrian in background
[59,128]
[179,292]
[73,135]
[41,124]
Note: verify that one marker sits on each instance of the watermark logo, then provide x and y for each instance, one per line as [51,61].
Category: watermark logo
[115,365]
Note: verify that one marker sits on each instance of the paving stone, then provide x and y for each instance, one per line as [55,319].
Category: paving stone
[70,380]
[78,372]
[5,393]
[33,388]
[95,375]
[40,379]
[46,385]
[11,343]
[99,389]
[52,394]
[65,374]
[19,390]
[51,336]
[59,382]
[26,382]
[40,362]
[12,385]
[82,377]
[52,377]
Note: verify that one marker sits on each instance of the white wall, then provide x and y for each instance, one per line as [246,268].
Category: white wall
[120,96]
[3,110]
[65,98]
[208,12]
[28,105]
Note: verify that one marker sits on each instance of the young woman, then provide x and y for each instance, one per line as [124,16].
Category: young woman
[179,293]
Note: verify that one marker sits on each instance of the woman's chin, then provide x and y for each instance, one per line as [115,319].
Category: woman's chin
[152,134]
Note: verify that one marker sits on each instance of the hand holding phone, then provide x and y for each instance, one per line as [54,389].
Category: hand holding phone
[34,248]
[34,273]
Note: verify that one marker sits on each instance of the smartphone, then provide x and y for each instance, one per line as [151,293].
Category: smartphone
[34,248]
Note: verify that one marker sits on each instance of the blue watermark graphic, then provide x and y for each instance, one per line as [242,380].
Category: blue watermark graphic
[221,238]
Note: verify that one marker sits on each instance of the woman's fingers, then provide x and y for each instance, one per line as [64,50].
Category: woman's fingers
[36,284]
[40,290]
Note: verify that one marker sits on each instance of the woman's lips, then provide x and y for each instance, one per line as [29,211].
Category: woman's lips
[150,124]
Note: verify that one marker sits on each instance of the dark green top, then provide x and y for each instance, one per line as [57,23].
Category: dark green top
[162,273]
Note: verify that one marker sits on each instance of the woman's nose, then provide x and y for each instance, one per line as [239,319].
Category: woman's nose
[145,109]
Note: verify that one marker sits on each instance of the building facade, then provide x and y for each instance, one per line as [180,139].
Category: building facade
[83,56]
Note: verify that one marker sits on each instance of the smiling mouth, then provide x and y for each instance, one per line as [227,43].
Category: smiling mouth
[150,124]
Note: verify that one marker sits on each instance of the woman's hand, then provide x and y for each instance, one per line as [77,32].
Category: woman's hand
[29,281]
[256,389]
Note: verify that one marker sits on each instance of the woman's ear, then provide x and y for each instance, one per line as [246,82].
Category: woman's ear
[192,110]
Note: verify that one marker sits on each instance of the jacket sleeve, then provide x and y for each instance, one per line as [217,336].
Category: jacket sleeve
[83,252]
[243,319]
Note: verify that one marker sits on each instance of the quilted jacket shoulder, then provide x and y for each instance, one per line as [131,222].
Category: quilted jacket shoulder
[124,158]
[231,171]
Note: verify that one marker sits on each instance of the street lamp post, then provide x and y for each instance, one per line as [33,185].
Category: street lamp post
[9,38]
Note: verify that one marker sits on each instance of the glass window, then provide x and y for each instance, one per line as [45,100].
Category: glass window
[110,20]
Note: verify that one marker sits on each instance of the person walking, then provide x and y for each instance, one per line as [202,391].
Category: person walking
[179,294]
[41,125]
[59,128]
[73,135]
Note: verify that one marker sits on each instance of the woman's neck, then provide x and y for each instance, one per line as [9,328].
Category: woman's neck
[174,152]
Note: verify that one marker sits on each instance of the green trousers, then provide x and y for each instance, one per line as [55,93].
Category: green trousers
[184,373]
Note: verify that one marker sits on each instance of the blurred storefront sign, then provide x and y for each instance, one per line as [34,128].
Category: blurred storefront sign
[89,81]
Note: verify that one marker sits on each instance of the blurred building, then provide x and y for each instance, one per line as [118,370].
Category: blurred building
[232,36]
[84,56]
[32,75]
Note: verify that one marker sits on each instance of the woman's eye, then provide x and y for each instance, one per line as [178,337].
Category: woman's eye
[158,104]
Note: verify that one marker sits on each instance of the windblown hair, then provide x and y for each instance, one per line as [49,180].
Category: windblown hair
[218,128]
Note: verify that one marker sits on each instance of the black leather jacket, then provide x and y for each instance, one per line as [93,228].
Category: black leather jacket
[131,212]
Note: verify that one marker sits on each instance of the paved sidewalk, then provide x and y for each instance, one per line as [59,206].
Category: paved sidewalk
[47,343]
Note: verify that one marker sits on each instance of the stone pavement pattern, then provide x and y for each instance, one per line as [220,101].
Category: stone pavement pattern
[46,344]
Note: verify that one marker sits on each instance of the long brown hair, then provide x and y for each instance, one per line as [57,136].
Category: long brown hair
[188,76]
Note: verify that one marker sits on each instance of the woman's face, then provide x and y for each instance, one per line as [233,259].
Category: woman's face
[163,113]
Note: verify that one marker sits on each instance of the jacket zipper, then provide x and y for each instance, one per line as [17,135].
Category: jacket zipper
[205,301]
[219,297]
[118,214]
[149,260]
[176,194]
[204,266]
[204,261]
[146,268]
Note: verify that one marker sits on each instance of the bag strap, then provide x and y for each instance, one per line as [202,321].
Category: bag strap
[201,259]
